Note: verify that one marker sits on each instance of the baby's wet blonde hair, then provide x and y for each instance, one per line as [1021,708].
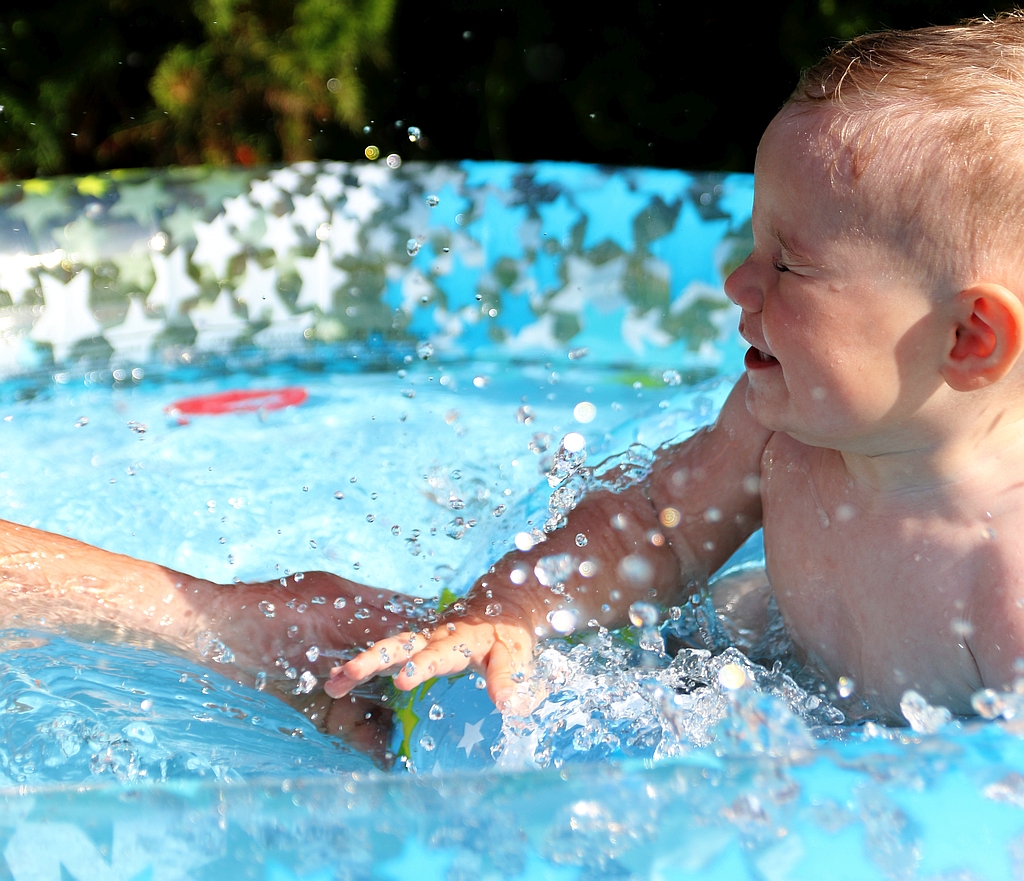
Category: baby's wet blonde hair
[930,122]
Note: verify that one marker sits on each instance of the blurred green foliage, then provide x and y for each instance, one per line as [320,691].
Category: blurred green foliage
[93,84]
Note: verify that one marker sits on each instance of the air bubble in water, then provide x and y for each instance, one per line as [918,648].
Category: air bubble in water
[414,133]
[267,608]
[433,201]
[455,528]
[643,615]
[412,247]
[393,160]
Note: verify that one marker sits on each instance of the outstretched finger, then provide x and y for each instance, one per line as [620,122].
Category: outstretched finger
[385,655]
[507,663]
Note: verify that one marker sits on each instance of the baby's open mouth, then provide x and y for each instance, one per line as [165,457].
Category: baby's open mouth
[756,358]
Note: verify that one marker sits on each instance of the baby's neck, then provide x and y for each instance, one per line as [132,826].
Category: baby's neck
[983,452]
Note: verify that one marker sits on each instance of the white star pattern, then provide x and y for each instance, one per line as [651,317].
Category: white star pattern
[215,246]
[173,284]
[329,186]
[217,326]
[414,288]
[258,291]
[67,318]
[640,330]
[239,212]
[280,235]
[471,736]
[288,179]
[344,237]
[360,203]
[320,279]
[309,212]
[284,331]
[264,193]
[132,340]
[599,286]
[15,276]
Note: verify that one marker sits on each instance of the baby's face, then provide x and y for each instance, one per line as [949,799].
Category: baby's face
[844,338]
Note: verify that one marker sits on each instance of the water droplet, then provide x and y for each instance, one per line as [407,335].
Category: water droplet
[581,540]
[671,377]
[636,570]
[433,201]
[427,742]
[412,247]
[312,542]
[396,530]
[293,631]
[333,85]
[267,608]
[299,576]
[732,677]
[576,354]
[524,541]
[643,615]
[307,682]
[481,381]
[455,528]
[339,494]
[393,160]
[562,621]
[385,658]
[362,614]
[424,350]
[340,602]
[414,133]
[371,152]
[497,512]
[845,686]
[318,601]
[261,680]
[555,570]
[435,713]
[669,517]
[525,415]
[370,518]
[82,422]
[492,610]
[410,668]
[584,412]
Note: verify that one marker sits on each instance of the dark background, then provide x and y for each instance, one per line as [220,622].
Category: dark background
[482,80]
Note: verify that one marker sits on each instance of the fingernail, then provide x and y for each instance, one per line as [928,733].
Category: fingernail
[339,684]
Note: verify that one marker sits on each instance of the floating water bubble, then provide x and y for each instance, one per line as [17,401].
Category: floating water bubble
[362,614]
[669,517]
[455,528]
[671,377]
[312,653]
[306,683]
[414,133]
[82,422]
[340,602]
[372,153]
[432,201]
[385,658]
[293,631]
[412,247]
[922,716]
[588,569]
[643,615]
[393,160]
[137,427]
[562,621]
[435,713]
[481,381]
[333,85]
[318,601]
[555,570]
[524,541]
[525,415]
[427,742]
[577,354]
[581,540]
[539,442]
[584,412]
[267,608]
[518,575]
[492,610]
[339,494]
[396,530]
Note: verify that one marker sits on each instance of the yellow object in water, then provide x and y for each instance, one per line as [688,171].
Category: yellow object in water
[371,152]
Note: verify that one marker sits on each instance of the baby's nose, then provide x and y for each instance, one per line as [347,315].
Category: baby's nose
[743,288]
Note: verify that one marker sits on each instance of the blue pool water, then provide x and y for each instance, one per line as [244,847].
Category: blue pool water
[444,351]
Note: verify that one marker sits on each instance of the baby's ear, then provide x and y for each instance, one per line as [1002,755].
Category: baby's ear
[989,337]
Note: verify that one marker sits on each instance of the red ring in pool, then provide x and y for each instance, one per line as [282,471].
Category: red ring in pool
[238,401]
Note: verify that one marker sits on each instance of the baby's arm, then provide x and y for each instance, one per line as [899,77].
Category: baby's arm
[55,582]
[700,502]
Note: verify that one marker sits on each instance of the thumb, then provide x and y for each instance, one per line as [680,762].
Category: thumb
[507,664]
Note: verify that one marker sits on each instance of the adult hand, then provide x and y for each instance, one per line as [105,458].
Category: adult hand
[501,651]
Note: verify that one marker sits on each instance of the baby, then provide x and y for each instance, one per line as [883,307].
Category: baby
[877,432]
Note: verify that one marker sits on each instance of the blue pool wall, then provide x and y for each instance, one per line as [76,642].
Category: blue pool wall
[513,261]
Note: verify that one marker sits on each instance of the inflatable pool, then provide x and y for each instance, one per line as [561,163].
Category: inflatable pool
[368,370]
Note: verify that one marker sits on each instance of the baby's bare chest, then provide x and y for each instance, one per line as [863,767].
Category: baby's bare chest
[867,594]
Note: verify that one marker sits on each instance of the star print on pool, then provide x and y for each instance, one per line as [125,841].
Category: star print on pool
[471,737]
